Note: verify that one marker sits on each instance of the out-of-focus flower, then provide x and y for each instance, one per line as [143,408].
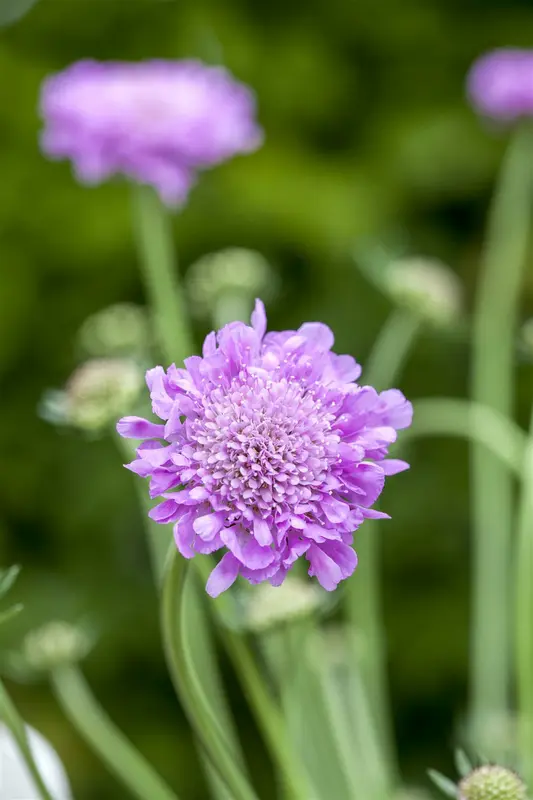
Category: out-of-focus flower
[426,286]
[156,122]
[221,285]
[500,84]
[96,392]
[492,783]
[121,329]
[279,452]
[271,606]
[16,780]
[54,644]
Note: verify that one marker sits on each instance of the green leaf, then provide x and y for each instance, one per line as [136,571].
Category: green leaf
[10,613]
[462,762]
[10,575]
[446,786]
[12,10]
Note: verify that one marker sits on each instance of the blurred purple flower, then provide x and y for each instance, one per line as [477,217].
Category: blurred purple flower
[156,122]
[500,84]
[278,451]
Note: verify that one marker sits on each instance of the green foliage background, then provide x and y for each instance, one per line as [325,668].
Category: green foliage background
[367,133]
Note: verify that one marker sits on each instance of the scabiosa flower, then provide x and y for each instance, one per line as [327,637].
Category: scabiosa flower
[278,453]
[156,122]
[500,84]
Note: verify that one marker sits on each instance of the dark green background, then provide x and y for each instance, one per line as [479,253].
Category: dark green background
[367,133]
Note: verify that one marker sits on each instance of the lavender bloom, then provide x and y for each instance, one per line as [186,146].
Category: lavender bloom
[156,122]
[500,84]
[279,452]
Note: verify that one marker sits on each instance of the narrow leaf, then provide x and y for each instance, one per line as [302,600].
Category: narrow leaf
[9,613]
[10,575]
[13,10]
[462,762]
[446,786]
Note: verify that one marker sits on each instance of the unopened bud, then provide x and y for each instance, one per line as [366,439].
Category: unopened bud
[222,285]
[121,329]
[268,606]
[427,287]
[55,644]
[492,783]
[98,392]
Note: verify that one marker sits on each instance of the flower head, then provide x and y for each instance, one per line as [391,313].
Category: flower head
[156,122]
[492,783]
[500,84]
[278,452]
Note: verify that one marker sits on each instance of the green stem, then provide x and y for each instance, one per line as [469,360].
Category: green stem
[363,593]
[102,735]
[524,615]
[450,416]
[154,239]
[187,685]
[492,385]
[267,713]
[12,719]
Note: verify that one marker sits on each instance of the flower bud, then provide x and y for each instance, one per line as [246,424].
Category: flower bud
[222,285]
[426,286]
[492,783]
[98,392]
[268,606]
[121,329]
[55,644]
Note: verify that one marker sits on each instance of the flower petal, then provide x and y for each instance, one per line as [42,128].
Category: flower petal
[223,576]
[139,428]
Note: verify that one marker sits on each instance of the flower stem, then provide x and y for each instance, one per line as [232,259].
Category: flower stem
[451,416]
[267,713]
[492,385]
[363,593]
[187,685]
[11,718]
[524,615]
[154,239]
[102,735]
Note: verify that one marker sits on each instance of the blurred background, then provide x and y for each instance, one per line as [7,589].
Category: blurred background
[369,139]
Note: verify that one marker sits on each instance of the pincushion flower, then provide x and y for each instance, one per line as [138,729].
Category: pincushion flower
[500,84]
[155,122]
[268,451]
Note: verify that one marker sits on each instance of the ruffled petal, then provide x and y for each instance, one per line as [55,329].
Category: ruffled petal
[223,576]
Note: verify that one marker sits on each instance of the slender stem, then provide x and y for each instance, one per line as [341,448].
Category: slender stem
[363,593]
[450,416]
[154,239]
[103,736]
[11,718]
[187,685]
[267,713]
[524,615]
[492,385]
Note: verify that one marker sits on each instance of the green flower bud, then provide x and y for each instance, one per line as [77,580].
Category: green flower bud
[121,329]
[492,783]
[268,606]
[426,286]
[55,644]
[97,393]
[223,285]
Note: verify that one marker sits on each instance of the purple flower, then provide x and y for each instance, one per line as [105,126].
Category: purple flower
[268,451]
[500,84]
[156,122]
